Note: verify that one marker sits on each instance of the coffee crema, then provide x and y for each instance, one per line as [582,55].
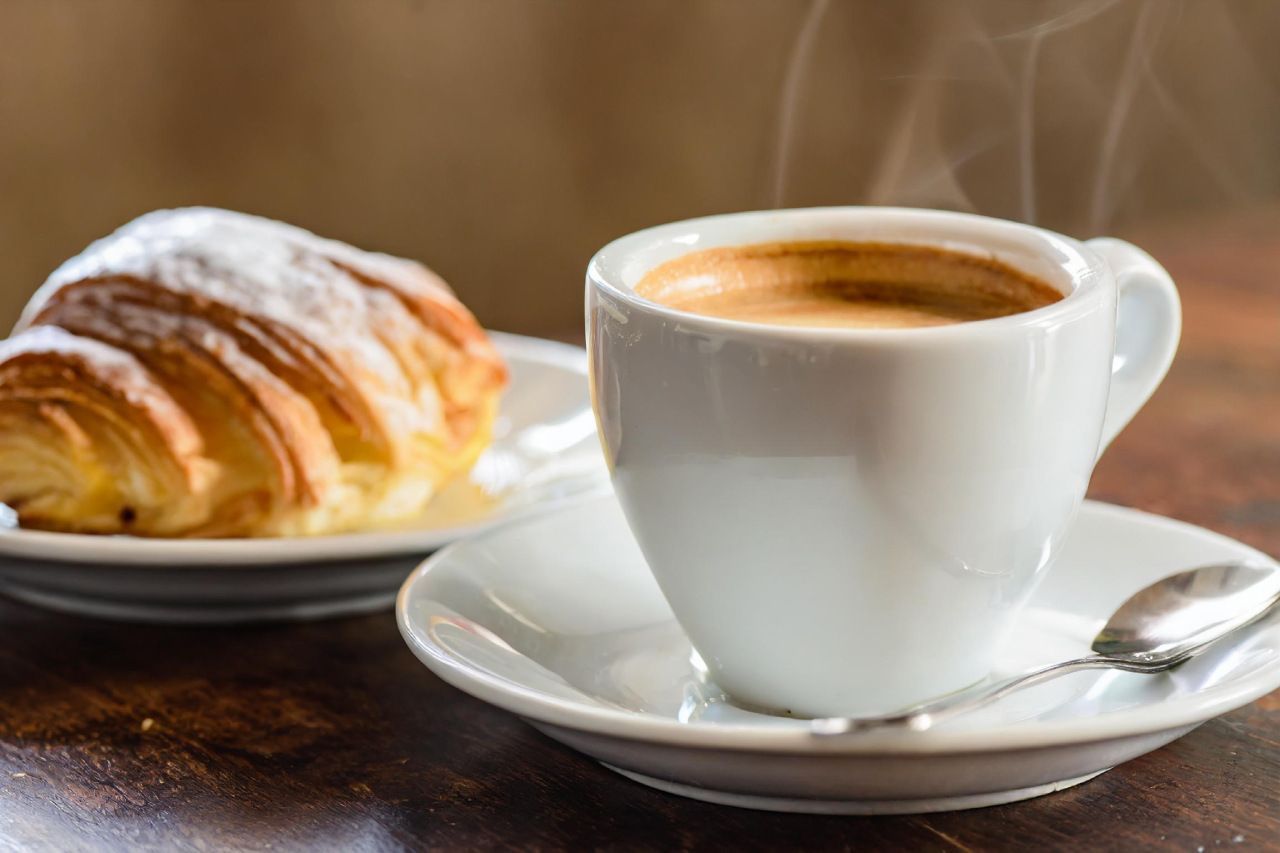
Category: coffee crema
[844,284]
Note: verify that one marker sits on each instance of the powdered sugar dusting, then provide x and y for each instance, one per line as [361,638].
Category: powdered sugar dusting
[268,271]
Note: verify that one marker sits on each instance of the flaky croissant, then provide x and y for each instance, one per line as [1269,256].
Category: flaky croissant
[208,373]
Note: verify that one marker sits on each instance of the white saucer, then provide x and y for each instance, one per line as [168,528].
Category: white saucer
[557,619]
[544,451]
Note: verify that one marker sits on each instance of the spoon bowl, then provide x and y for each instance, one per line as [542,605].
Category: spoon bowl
[1181,614]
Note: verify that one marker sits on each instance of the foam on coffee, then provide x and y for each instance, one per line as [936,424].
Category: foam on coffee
[844,284]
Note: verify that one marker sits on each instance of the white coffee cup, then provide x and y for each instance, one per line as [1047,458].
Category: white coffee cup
[844,521]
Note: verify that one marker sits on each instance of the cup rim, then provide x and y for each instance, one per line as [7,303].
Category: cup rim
[1086,270]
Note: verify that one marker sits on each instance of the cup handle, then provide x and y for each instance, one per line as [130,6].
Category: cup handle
[1148,325]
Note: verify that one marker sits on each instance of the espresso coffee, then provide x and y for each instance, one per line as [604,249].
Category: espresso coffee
[844,284]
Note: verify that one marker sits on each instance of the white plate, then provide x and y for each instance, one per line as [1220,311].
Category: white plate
[558,620]
[544,451]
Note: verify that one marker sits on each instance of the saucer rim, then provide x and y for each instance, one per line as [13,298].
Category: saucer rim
[1183,711]
[42,546]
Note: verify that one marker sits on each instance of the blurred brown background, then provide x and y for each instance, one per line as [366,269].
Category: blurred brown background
[502,141]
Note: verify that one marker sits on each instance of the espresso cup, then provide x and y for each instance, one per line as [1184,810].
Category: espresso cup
[845,521]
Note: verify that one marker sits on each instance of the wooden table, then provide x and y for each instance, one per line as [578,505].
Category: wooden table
[331,735]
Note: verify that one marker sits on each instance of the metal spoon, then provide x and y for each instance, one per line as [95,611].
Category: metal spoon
[1158,628]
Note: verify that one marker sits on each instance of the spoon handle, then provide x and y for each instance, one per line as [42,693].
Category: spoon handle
[924,716]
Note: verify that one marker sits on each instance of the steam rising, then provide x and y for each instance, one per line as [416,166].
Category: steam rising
[791,83]
[1080,117]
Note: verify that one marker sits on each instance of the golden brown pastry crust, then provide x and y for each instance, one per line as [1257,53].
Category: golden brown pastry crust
[294,385]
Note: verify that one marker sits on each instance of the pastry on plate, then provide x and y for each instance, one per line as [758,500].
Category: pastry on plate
[207,373]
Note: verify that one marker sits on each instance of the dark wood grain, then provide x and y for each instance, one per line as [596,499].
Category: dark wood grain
[330,735]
